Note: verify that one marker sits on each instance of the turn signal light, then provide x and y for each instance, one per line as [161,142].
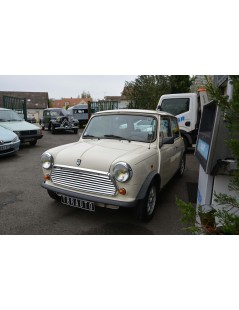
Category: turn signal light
[122,191]
[47,177]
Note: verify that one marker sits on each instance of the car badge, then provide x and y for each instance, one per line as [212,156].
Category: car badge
[78,162]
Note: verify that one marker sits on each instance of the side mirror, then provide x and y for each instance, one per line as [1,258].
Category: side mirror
[169,140]
[163,141]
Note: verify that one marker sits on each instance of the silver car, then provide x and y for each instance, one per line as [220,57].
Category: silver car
[9,142]
[26,132]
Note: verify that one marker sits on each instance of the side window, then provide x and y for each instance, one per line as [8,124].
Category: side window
[165,129]
[175,127]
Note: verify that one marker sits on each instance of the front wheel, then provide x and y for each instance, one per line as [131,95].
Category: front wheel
[145,209]
[32,143]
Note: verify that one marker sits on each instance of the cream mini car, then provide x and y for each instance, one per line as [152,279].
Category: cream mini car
[117,162]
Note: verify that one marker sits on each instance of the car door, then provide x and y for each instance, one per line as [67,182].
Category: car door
[166,151]
[177,146]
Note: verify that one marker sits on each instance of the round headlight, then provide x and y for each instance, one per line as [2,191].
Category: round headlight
[122,172]
[47,160]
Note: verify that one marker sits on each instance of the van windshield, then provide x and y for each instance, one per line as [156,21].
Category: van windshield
[175,106]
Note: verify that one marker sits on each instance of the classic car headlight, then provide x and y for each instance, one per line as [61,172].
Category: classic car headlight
[47,160]
[122,172]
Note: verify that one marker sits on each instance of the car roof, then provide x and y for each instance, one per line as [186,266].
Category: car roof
[135,111]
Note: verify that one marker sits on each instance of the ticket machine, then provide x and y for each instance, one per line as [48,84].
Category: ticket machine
[215,158]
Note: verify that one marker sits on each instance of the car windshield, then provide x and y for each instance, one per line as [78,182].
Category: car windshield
[140,128]
[55,113]
[9,116]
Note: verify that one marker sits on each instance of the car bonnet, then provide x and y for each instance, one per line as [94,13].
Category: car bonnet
[98,155]
[18,126]
[6,135]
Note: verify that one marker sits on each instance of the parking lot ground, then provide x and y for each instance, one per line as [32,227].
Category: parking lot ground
[26,208]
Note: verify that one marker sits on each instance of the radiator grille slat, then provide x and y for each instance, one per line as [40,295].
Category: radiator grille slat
[84,180]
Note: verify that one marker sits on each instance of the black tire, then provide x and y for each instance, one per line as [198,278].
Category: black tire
[53,131]
[53,195]
[32,143]
[182,166]
[75,131]
[145,209]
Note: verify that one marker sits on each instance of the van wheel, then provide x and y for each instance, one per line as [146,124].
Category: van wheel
[145,209]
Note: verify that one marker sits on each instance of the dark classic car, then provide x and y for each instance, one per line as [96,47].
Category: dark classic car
[57,119]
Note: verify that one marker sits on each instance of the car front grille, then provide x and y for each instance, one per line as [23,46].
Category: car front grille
[84,180]
[28,132]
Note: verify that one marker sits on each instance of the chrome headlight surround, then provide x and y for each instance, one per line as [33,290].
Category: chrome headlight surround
[122,172]
[47,160]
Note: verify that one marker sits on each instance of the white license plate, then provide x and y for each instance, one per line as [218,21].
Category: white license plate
[74,202]
[4,147]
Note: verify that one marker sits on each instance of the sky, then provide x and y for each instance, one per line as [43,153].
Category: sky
[67,86]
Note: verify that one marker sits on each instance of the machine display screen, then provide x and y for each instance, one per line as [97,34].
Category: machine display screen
[203,148]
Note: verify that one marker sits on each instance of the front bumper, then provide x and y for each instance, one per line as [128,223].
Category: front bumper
[105,201]
[28,138]
[10,148]
[57,127]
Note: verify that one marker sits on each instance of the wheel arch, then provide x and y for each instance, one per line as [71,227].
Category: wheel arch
[153,176]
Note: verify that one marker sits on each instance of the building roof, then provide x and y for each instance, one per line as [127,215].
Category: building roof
[35,100]
[69,102]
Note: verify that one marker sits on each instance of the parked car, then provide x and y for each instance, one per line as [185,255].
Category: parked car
[31,119]
[57,119]
[9,142]
[115,164]
[26,132]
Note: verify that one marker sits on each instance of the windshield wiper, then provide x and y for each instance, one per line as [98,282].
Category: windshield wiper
[114,137]
[90,136]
